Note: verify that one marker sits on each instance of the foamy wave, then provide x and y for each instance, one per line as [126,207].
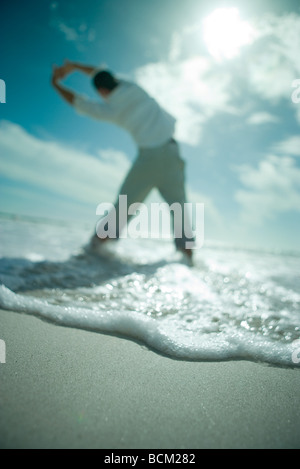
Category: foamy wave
[234,304]
[169,341]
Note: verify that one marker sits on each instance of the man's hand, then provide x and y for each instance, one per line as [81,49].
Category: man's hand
[67,68]
[58,74]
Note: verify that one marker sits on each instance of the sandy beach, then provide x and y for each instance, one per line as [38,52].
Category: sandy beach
[67,388]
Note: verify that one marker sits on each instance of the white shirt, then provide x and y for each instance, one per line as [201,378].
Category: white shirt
[130,107]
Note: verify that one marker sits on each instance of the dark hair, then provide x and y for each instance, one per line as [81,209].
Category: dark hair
[105,79]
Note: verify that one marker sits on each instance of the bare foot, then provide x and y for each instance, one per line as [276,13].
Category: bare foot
[188,253]
[97,243]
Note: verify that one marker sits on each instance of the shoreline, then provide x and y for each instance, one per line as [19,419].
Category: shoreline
[69,388]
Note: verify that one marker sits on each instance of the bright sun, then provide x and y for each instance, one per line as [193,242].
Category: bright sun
[225,33]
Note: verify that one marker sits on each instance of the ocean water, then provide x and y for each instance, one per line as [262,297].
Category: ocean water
[233,304]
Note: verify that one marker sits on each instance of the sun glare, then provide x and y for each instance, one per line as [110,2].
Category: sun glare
[225,33]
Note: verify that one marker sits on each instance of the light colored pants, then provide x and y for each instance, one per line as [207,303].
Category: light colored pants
[161,168]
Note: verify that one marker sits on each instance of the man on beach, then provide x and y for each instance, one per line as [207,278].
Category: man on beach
[159,163]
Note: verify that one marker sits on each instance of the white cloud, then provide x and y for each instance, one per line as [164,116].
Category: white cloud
[212,215]
[62,170]
[189,90]
[271,189]
[259,118]
[79,35]
[195,88]
[290,146]
[175,49]
[52,168]
[70,33]
[273,62]
[75,31]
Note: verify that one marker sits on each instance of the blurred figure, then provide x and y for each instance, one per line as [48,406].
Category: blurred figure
[158,163]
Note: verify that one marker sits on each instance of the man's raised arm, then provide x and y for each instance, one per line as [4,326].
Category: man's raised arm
[73,66]
[59,74]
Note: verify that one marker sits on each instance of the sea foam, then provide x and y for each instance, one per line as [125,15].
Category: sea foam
[234,304]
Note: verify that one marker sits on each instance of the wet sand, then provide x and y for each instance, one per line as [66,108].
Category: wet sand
[67,388]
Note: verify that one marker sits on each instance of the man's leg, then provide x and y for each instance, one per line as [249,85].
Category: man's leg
[172,189]
[136,188]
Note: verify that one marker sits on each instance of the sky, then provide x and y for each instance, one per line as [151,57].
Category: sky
[227,70]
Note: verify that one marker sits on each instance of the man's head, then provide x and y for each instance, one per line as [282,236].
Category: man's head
[105,82]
